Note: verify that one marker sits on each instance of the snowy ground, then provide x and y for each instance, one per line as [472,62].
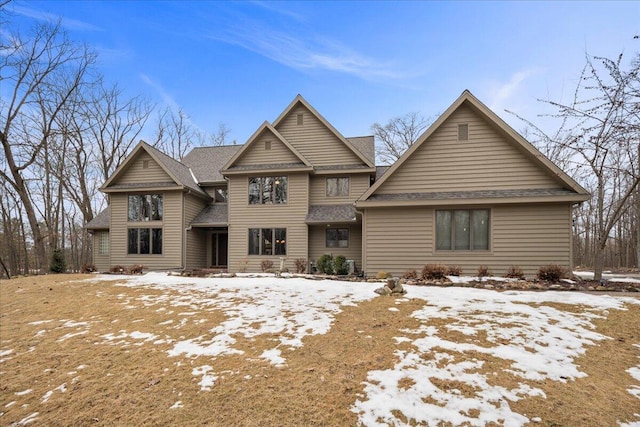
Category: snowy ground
[534,339]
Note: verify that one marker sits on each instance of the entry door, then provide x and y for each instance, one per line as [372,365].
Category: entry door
[219,249]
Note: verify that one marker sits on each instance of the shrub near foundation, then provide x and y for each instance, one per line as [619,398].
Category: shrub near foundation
[515,272]
[325,264]
[434,271]
[551,273]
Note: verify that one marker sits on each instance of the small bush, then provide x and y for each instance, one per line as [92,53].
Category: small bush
[242,265]
[266,265]
[325,264]
[88,268]
[118,269]
[410,275]
[382,275]
[301,265]
[58,263]
[483,271]
[514,272]
[454,270]
[340,265]
[551,273]
[136,269]
[434,271]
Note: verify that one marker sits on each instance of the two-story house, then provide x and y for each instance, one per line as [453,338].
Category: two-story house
[471,191]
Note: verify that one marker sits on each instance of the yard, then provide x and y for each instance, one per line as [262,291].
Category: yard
[163,350]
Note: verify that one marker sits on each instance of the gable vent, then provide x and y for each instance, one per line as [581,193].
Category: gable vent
[267,145]
[463,132]
[300,118]
[145,164]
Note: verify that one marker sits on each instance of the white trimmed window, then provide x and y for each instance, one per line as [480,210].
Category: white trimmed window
[103,242]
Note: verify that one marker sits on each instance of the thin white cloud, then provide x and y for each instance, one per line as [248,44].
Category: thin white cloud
[164,95]
[502,93]
[70,24]
[281,11]
[298,52]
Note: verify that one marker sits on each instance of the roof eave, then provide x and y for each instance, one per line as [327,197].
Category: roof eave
[267,170]
[343,171]
[576,198]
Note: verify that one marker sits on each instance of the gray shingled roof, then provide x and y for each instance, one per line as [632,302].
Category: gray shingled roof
[134,185]
[268,166]
[179,170]
[100,221]
[366,145]
[207,162]
[483,194]
[321,214]
[216,214]
[341,167]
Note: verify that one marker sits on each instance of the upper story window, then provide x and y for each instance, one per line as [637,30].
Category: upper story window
[145,207]
[462,230]
[337,187]
[268,190]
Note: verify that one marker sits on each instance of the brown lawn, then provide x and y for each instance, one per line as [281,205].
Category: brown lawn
[134,382]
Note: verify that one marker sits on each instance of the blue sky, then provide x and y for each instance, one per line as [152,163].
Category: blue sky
[357,63]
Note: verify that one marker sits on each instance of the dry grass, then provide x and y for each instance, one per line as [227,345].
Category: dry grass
[136,383]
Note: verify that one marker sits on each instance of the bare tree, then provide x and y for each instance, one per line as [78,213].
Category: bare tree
[41,73]
[219,136]
[176,134]
[599,138]
[394,138]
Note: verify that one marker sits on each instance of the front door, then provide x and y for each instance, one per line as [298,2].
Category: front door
[219,249]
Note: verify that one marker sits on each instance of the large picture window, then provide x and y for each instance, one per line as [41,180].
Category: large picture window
[144,241]
[267,241]
[145,207]
[337,187]
[337,238]
[462,230]
[268,190]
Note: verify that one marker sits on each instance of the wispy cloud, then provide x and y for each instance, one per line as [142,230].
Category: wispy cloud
[167,99]
[298,51]
[281,11]
[70,24]
[502,93]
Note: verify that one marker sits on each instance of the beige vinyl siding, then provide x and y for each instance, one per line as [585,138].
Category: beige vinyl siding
[136,173]
[314,140]
[358,184]
[196,243]
[291,216]
[256,154]
[172,229]
[317,243]
[100,261]
[486,161]
[528,236]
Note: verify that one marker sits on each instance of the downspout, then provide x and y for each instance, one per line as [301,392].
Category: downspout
[184,236]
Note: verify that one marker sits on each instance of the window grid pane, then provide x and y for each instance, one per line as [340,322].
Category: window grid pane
[443,230]
[156,243]
[480,229]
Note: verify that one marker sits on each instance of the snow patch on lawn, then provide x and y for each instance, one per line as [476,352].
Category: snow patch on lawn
[430,385]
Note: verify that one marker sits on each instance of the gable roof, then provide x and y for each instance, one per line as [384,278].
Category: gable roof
[300,100]
[179,173]
[578,193]
[207,162]
[265,127]
[366,145]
